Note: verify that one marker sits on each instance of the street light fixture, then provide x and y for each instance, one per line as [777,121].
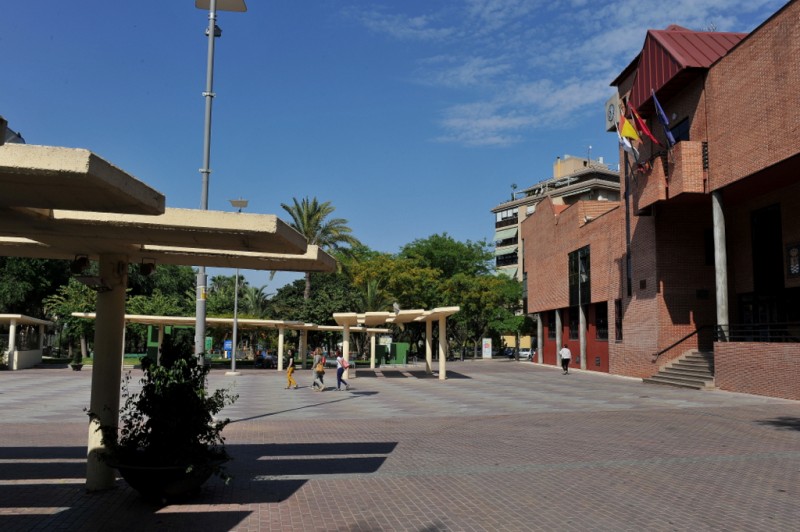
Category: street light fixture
[212,32]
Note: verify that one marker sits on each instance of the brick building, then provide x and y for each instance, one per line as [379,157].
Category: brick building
[703,252]
[574,179]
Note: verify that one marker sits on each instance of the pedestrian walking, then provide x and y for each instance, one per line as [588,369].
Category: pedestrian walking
[566,356]
[341,365]
[318,367]
[290,382]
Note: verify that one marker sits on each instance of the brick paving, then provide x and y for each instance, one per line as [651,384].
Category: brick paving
[499,446]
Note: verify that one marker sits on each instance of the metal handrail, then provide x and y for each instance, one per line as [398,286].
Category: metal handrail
[778,332]
[677,343]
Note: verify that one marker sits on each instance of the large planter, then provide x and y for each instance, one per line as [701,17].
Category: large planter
[167,483]
[76,367]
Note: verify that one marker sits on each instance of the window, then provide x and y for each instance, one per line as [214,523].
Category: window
[618,319]
[601,321]
[574,323]
[579,277]
[681,130]
[551,325]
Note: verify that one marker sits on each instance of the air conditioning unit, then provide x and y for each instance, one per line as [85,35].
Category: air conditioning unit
[612,112]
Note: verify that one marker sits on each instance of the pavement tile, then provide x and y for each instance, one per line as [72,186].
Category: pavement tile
[502,445]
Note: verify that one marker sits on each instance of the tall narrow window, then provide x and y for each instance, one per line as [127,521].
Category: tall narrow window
[618,320]
[551,325]
[579,277]
[601,320]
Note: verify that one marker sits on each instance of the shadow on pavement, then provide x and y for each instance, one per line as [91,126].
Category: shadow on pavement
[785,422]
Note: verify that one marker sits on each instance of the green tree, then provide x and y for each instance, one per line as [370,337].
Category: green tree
[72,297]
[487,305]
[449,256]
[253,301]
[311,219]
[24,283]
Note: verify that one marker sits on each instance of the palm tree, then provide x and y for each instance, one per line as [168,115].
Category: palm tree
[310,219]
[254,301]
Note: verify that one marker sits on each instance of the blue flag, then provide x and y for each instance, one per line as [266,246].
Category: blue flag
[662,117]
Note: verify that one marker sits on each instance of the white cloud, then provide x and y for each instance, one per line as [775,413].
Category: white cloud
[528,64]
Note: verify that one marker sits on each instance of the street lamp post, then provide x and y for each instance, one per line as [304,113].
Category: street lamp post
[212,32]
[239,204]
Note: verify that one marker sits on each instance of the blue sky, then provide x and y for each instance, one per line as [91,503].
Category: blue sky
[412,117]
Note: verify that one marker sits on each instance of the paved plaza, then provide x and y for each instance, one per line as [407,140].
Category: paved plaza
[500,446]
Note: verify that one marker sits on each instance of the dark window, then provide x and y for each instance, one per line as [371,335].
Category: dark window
[551,325]
[601,321]
[708,236]
[765,227]
[618,320]
[574,323]
[579,277]
[681,130]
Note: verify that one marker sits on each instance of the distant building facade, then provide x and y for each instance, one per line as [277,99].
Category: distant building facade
[574,179]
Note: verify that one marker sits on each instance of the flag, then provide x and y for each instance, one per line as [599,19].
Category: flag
[626,129]
[662,117]
[643,126]
[626,144]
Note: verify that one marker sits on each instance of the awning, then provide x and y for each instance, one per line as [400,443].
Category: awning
[505,251]
[505,234]
[510,272]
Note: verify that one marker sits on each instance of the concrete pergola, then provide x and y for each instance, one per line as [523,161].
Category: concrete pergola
[440,314]
[189,321]
[23,359]
[67,203]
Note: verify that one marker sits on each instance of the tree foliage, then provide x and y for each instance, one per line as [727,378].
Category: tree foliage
[311,219]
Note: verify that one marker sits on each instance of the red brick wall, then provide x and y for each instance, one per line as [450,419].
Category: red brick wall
[548,241]
[754,101]
[758,368]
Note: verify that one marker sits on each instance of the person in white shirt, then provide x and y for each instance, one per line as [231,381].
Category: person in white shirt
[566,356]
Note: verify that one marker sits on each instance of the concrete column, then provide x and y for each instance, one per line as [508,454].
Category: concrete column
[442,348]
[372,350]
[539,339]
[107,367]
[303,347]
[346,349]
[720,264]
[582,334]
[559,337]
[12,344]
[428,347]
[281,335]
[41,337]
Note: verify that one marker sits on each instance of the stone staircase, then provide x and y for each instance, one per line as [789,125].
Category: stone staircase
[694,369]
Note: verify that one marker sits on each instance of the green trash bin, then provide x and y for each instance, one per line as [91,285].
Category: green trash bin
[399,353]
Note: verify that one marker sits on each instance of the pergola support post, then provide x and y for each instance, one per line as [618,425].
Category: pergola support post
[428,346]
[442,348]
[107,367]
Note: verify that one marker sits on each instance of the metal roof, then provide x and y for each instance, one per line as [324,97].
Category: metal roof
[670,55]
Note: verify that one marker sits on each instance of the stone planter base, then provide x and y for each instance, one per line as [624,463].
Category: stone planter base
[167,483]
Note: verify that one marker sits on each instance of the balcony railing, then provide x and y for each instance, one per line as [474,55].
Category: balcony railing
[685,173]
[759,332]
[507,260]
[667,174]
[506,222]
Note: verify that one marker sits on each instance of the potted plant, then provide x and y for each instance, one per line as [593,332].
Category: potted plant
[77,360]
[168,442]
